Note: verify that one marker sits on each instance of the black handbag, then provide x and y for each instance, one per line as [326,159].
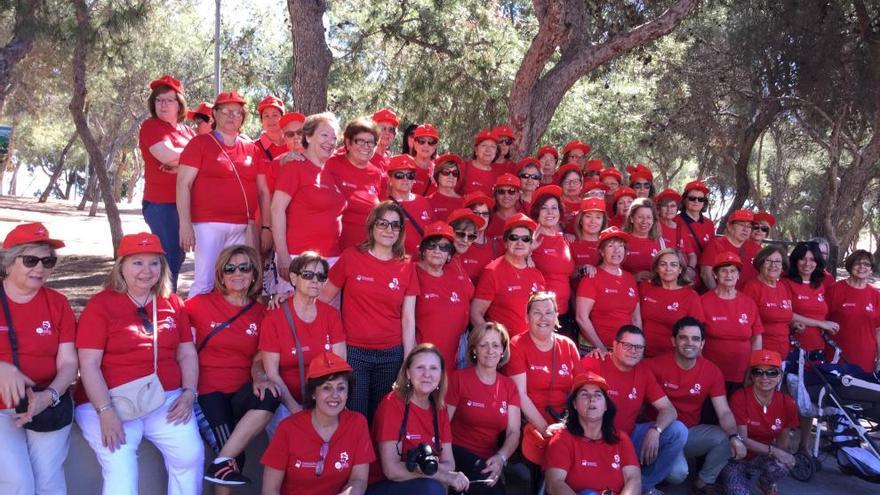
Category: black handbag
[52,418]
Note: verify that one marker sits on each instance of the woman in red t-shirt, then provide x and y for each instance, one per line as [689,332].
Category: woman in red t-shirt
[115,339]
[765,417]
[621,201]
[806,282]
[665,299]
[645,240]
[44,327]
[445,199]
[161,139]
[589,223]
[694,224]
[855,306]
[478,175]
[235,396]
[479,251]
[772,298]
[549,158]
[609,299]
[571,181]
[271,143]
[552,254]
[641,180]
[402,172]
[507,203]
[484,407]
[425,139]
[324,448]
[411,419]
[291,131]
[217,191]
[575,152]
[506,138]
[590,456]
[667,202]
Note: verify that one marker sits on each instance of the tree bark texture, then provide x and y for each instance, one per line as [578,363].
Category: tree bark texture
[536,93]
[18,47]
[311,56]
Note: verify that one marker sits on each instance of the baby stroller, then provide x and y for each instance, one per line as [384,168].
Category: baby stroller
[845,402]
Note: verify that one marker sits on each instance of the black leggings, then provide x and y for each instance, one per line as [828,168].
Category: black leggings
[471,464]
[224,411]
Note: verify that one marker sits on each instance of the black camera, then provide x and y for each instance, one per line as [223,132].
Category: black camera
[424,458]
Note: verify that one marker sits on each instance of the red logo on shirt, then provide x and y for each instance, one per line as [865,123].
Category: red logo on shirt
[342,463]
[672,307]
[616,463]
[45,329]
[743,319]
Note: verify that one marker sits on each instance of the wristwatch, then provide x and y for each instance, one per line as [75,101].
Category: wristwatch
[194,392]
[56,399]
[659,430]
[736,436]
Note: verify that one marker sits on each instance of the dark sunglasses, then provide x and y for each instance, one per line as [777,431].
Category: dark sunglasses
[504,191]
[445,247]
[464,235]
[771,373]
[449,172]
[384,224]
[246,267]
[404,175]
[525,238]
[506,141]
[310,275]
[696,199]
[429,142]
[145,320]
[762,228]
[30,261]
[292,134]
[531,176]
[641,185]
[319,467]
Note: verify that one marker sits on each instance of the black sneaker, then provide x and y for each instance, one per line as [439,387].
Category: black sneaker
[226,473]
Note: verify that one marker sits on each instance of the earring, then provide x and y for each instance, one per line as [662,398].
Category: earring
[408,383]
[474,355]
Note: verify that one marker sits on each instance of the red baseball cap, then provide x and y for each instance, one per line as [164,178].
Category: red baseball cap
[402,162]
[426,130]
[639,171]
[508,180]
[441,229]
[270,102]
[543,150]
[229,97]
[594,166]
[503,131]
[466,214]
[565,169]
[588,378]
[765,357]
[325,364]
[520,220]
[613,233]
[611,172]
[765,216]
[576,145]
[593,184]
[741,216]
[727,258]
[450,157]
[291,117]
[168,81]
[385,115]
[593,204]
[548,190]
[29,233]
[204,108]
[140,243]
[695,185]
[478,198]
[667,194]
[624,191]
[485,135]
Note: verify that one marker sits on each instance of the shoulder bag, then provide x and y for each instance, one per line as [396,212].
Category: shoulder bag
[299,352]
[224,325]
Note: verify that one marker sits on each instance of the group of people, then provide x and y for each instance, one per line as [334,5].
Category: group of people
[410,323]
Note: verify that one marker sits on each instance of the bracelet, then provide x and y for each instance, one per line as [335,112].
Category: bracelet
[189,389]
[56,397]
[105,407]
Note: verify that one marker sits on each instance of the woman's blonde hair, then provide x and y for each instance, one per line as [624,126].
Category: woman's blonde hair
[116,282]
[654,233]
[403,386]
[223,258]
[480,331]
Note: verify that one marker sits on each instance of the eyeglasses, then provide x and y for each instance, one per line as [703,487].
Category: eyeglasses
[230,113]
[465,236]
[525,238]
[429,142]
[863,264]
[770,373]
[641,185]
[390,129]
[246,267]
[506,191]
[531,176]
[319,467]
[30,261]
[773,262]
[383,224]
[449,172]
[442,246]
[145,320]
[404,175]
[364,142]
[485,214]
[166,101]
[506,141]
[631,347]
[292,134]
[763,228]
[572,182]
[310,275]
[697,199]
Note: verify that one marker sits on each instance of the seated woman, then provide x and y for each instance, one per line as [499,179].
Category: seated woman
[410,421]
[234,394]
[484,408]
[325,448]
[590,456]
[765,418]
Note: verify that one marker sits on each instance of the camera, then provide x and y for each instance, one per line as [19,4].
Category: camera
[424,458]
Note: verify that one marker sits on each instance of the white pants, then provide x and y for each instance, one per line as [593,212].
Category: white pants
[31,462]
[181,447]
[211,238]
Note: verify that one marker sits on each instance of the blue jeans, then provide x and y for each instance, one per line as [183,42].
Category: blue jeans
[672,442]
[163,221]
[374,372]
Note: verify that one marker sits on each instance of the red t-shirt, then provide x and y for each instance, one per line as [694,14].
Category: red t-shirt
[640,252]
[674,237]
[730,326]
[570,212]
[808,302]
[630,390]
[314,215]
[858,313]
[110,322]
[549,374]
[704,229]
[508,289]
[419,428]
[475,259]
[41,325]
[419,210]
[443,309]
[746,253]
[481,411]
[349,178]
[687,389]
[475,179]
[216,194]
[423,185]
[266,153]
[495,230]
[615,299]
[585,252]
[591,464]
[160,186]
[272,170]
[660,309]
[442,206]
[553,258]
[374,291]
[296,450]
[763,427]
[315,337]
[354,218]
[774,308]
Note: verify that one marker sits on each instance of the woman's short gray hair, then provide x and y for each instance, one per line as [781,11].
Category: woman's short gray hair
[7,256]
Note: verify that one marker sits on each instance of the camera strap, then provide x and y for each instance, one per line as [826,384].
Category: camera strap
[13,338]
[402,431]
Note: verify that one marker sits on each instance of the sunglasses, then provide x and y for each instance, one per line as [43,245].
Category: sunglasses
[292,134]
[525,238]
[383,224]
[641,185]
[771,373]
[429,142]
[449,172]
[445,247]
[230,268]
[319,467]
[145,320]
[404,175]
[30,261]
[762,228]
[465,236]
[697,199]
[310,275]
[530,176]
[504,191]
[506,141]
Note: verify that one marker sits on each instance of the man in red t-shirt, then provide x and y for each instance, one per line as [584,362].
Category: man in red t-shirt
[631,386]
[688,380]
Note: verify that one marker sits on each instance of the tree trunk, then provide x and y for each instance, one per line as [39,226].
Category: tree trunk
[311,56]
[59,169]
[89,191]
[13,181]
[84,35]
[536,93]
[22,41]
